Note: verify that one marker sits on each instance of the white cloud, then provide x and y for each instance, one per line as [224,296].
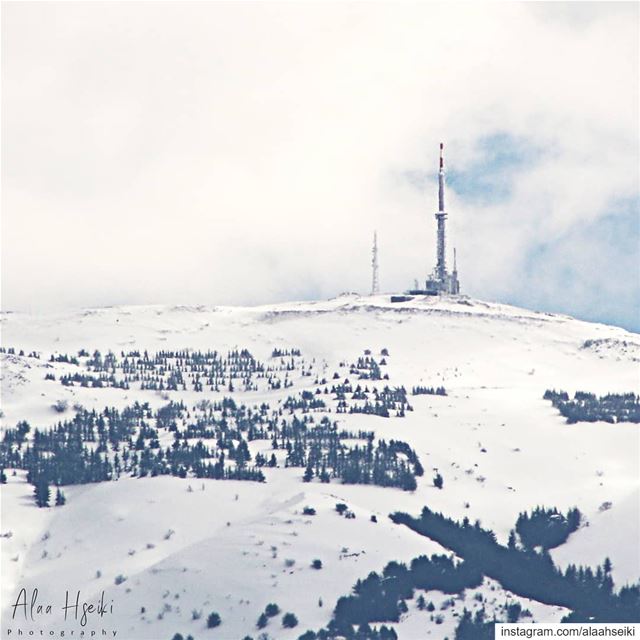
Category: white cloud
[242,152]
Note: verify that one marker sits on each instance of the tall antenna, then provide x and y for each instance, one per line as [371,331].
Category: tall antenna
[441,181]
[441,216]
[375,285]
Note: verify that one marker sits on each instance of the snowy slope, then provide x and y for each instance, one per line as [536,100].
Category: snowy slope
[499,446]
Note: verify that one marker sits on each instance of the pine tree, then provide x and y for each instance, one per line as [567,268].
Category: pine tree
[60,498]
[308,474]
[213,620]
[289,621]
[42,493]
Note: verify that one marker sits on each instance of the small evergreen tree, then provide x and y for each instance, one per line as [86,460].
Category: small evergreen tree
[513,609]
[42,493]
[289,621]
[308,474]
[263,621]
[60,498]
[213,620]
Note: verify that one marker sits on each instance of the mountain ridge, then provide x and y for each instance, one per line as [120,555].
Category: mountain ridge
[499,445]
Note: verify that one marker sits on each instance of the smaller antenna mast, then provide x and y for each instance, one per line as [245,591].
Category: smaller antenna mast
[375,285]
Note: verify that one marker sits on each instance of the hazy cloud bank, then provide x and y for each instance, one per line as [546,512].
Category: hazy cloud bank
[244,152]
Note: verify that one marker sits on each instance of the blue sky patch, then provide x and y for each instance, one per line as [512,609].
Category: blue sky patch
[490,177]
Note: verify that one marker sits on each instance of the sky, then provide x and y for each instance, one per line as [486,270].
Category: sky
[245,152]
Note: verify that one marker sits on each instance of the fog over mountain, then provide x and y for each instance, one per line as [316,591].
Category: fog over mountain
[244,152]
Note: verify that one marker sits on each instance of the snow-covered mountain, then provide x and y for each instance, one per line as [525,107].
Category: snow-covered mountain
[185,545]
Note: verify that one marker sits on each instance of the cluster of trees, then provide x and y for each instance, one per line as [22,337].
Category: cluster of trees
[428,391]
[321,451]
[366,368]
[385,402]
[546,528]
[203,441]
[525,572]
[381,402]
[11,454]
[318,447]
[587,407]
[475,627]
[12,352]
[42,494]
[282,353]
[382,597]
[305,402]
[16,436]
[270,611]
[183,369]
[210,439]
[219,471]
[99,446]
[289,620]
[85,380]
[63,357]
[363,632]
